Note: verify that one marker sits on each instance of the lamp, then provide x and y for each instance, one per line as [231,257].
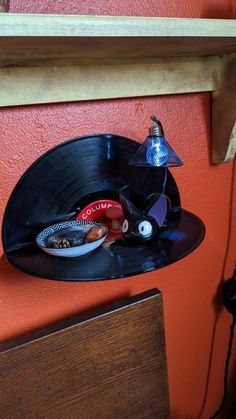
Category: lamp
[155,151]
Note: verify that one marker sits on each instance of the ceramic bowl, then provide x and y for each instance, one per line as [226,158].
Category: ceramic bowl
[67,230]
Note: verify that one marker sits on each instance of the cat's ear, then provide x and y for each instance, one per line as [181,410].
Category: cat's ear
[129,209]
[159,209]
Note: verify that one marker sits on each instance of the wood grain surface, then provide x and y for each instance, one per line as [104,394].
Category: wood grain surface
[24,38]
[73,82]
[105,364]
[79,25]
[224,114]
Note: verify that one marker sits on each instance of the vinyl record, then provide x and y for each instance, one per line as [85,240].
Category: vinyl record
[69,177]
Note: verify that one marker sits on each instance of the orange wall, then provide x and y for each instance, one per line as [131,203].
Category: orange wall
[193,315]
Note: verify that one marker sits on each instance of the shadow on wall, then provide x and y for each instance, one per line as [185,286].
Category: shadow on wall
[229,411]
[230,407]
[218,306]
[4,6]
[11,275]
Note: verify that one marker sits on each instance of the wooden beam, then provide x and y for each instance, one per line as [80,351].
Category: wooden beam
[113,26]
[24,38]
[224,114]
[47,84]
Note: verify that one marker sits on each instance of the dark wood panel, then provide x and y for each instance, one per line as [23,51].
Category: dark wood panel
[109,364]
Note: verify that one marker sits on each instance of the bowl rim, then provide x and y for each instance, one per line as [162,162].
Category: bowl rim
[64,224]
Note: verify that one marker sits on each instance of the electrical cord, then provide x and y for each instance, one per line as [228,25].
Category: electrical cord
[229,297]
[226,371]
[164,181]
[229,301]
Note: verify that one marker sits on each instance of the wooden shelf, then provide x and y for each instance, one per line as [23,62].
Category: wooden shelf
[22,37]
[50,58]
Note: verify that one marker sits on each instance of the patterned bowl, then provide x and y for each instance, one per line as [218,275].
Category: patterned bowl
[66,239]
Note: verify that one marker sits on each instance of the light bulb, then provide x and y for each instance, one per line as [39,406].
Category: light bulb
[157,152]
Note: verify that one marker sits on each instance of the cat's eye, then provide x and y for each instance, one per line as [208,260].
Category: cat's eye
[145,228]
[125,226]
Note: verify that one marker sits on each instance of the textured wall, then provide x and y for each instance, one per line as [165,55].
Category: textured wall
[194,318]
[222,9]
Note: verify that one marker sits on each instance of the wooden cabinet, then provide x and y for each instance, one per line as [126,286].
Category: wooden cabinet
[109,363]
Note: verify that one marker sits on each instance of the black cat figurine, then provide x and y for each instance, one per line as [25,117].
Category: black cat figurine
[141,226]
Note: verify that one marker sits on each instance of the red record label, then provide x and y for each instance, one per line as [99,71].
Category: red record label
[96,211]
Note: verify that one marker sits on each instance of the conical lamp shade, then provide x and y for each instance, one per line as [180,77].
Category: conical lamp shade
[155,152]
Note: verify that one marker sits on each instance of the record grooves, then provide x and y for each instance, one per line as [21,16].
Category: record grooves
[74,174]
